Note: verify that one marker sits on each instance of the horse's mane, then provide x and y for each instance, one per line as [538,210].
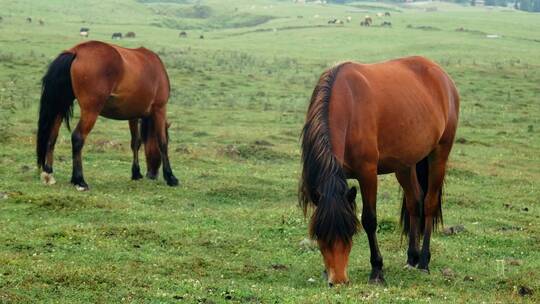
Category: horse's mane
[323,184]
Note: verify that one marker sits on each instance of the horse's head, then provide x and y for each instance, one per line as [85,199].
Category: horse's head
[336,253]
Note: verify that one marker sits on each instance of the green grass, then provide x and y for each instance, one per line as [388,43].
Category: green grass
[232,231]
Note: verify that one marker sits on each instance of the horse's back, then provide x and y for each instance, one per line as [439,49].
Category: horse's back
[396,111]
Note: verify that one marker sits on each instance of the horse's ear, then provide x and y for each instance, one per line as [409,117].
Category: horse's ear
[351,195]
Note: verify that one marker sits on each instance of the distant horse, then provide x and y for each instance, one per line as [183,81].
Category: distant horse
[386,24]
[387,14]
[114,82]
[116,36]
[398,116]
[41,22]
[182,34]
[367,21]
[201,36]
[84,31]
[332,21]
[130,35]
[28,20]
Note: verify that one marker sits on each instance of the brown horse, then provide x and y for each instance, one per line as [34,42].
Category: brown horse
[396,117]
[112,81]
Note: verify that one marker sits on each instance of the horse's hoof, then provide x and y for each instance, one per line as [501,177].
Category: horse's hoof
[173,182]
[47,178]
[151,176]
[377,278]
[136,176]
[377,281]
[81,188]
[424,270]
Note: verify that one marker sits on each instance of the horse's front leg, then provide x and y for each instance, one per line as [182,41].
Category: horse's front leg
[368,186]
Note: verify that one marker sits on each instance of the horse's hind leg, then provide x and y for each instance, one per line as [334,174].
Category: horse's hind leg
[432,202]
[135,145]
[47,174]
[160,128]
[78,137]
[412,192]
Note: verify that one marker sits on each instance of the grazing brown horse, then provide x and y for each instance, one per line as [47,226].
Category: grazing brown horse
[399,117]
[114,82]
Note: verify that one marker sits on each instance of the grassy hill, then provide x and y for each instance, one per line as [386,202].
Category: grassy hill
[232,231]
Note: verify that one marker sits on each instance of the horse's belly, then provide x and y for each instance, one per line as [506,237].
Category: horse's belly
[407,149]
[121,109]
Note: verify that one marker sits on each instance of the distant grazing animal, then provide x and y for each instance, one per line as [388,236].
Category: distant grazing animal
[399,116]
[367,21]
[114,82]
[182,35]
[116,36]
[201,37]
[380,15]
[130,35]
[28,19]
[387,14]
[84,31]
[41,22]
[332,21]
[349,19]
[386,24]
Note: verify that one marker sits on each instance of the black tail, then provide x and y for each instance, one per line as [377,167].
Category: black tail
[323,184]
[151,146]
[56,100]
[422,173]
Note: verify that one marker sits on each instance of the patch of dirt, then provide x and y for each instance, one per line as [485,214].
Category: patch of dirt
[183,149]
[102,145]
[423,27]
[525,291]
[279,267]
[448,273]
[451,230]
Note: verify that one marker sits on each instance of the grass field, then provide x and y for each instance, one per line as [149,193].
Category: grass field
[233,232]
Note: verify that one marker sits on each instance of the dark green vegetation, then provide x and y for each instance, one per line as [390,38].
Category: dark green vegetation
[231,232]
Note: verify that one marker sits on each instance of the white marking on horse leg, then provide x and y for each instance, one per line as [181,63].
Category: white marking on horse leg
[408,267]
[79,188]
[47,178]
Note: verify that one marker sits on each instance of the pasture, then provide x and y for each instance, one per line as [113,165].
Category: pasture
[233,232]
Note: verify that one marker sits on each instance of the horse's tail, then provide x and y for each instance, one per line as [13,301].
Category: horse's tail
[323,184]
[422,173]
[56,100]
[151,147]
